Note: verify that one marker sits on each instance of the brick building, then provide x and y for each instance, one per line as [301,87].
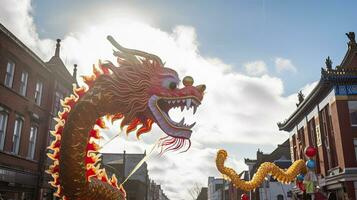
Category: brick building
[30,90]
[327,119]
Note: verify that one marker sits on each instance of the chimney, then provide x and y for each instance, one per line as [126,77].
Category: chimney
[58,45]
[74,75]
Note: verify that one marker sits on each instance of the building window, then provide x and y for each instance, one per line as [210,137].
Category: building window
[17,135]
[38,92]
[32,142]
[312,131]
[23,83]
[3,123]
[57,104]
[280,197]
[9,77]
[318,135]
[352,107]
[355,186]
[355,146]
[301,137]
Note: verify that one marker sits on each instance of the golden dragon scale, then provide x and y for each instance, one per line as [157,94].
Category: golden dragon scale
[266,168]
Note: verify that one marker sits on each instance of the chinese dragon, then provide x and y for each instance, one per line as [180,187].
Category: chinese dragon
[282,175]
[140,92]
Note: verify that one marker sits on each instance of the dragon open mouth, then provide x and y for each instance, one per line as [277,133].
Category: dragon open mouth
[160,107]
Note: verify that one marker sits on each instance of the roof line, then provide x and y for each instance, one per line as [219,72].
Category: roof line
[304,105]
[328,78]
[23,46]
[351,50]
[342,74]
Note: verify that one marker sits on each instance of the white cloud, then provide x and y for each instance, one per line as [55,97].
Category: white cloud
[255,68]
[283,64]
[236,109]
[17,17]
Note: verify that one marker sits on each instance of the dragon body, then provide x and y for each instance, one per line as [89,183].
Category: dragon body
[140,92]
[266,168]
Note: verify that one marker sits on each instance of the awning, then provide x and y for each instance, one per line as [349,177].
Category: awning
[17,177]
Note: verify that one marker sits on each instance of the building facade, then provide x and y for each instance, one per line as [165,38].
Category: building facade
[274,190]
[327,120]
[156,192]
[203,194]
[233,193]
[271,189]
[215,188]
[61,86]
[27,98]
[138,185]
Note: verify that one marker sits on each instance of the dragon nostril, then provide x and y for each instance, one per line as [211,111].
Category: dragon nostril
[187,81]
[201,88]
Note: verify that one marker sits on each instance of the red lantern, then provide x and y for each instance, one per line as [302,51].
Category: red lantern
[244,197]
[310,151]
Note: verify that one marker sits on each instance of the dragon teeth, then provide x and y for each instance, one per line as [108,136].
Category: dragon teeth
[188,103]
[192,125]
[195,102]
[182,122]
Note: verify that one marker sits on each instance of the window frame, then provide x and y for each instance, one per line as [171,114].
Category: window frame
[349,113]
[38,93]
[355,147]
[3,127]
[57,103]
[16,146]
[31,150]
[355,187]
[312,129]
[10,74]
[279,196]
[318,134]
[23,83]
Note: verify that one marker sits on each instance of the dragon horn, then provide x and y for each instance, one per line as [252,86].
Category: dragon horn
[134,51]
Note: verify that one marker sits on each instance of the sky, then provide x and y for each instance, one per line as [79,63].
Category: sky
[254,56]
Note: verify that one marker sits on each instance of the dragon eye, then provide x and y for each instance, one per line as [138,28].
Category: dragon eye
[170,83]
[173,85]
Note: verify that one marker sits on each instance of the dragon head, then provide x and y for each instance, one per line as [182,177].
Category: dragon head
[142,91]
[165,95]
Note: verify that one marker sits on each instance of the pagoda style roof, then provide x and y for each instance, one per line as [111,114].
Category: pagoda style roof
[344,74]
[249,161]
[350,59]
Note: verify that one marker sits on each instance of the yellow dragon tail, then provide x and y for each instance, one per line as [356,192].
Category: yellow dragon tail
[283,176]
